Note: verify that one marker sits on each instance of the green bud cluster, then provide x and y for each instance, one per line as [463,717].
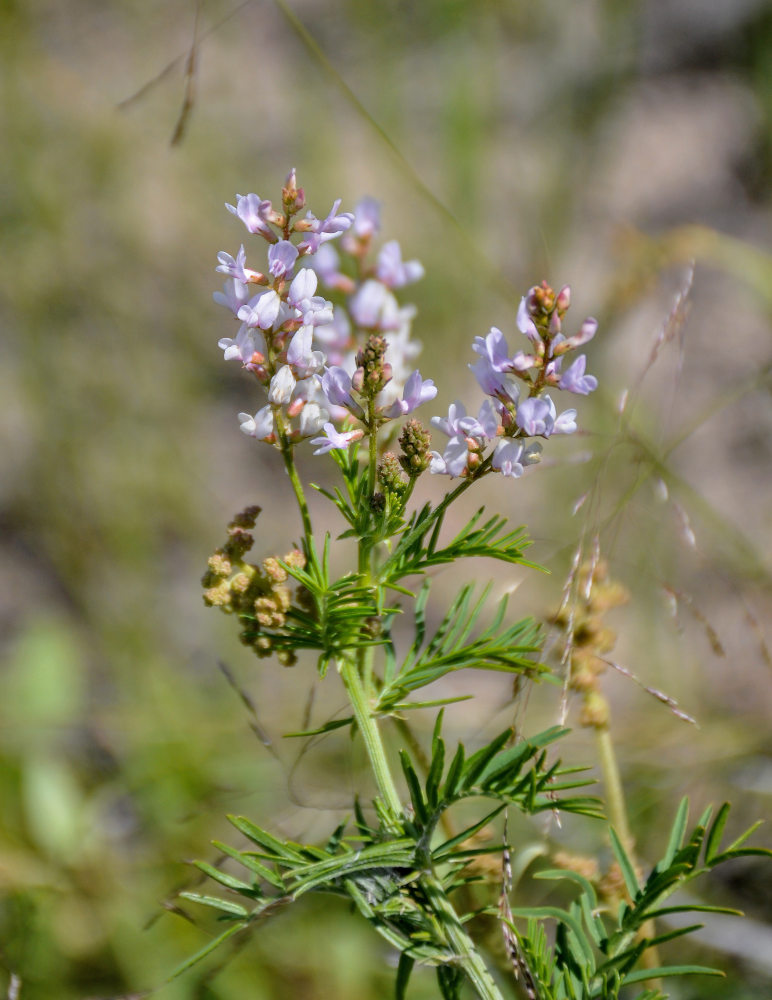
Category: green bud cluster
[259,595]
[415,442]
[390,475]
[372,373]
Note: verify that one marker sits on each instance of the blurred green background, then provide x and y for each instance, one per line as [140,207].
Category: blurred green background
[604,144]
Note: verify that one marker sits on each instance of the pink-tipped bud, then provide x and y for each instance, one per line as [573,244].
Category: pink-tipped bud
[563,300]
[358,380]
[294,198]
[295,407]
[555,323]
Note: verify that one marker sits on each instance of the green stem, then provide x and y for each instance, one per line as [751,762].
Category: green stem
[368,727]
[462,945]
[617,810]
[615,796]
[297,486]
[464,948]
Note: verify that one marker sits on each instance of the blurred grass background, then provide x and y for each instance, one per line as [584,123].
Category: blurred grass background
[599,143]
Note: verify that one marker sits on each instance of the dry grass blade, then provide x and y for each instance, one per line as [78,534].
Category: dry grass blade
[671,703]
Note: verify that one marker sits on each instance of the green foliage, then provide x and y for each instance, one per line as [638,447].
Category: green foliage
[336,616]
[382,872]
[510,648]
[594,957]
[418,547]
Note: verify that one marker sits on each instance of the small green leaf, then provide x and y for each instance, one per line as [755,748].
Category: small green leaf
[245,858]
[625,864]
[328,727]
[676,834]
[262,838]
[229,881]
[665,971]
[234,909]
[414,787]
[404,969]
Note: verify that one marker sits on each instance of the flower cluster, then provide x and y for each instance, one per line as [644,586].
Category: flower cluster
[517,406]
[259,595]
[321,363]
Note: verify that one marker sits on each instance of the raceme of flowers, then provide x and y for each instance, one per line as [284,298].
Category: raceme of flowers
[518,404]
[335,372]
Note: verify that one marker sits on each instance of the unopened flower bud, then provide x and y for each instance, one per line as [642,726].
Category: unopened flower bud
[415,442]
[563,301]
[293,197]
[390,474]
[540,301]
[375,372]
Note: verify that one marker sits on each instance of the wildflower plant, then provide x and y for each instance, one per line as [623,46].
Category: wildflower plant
[337,380]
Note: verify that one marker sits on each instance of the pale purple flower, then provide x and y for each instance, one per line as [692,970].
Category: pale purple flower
[587,331]
[482,427]
[311,420]
[262,310]
[537,417]
[525,324]
[507,458]
[574,380]
[495,354]
[282,386]
[392,270]
[326,263]
[254,213]
[316,311]
[235,268]
[243,345]
[333,439]
[336,385]
[371,302]
[281,258]
[303,286]
[322,230]
[416,392]
[492,382]
[367,218]
[233,296]
[493,348]
[453,460]
[335,338]
[301,357]
[486,425]
[565,423]
[260,426]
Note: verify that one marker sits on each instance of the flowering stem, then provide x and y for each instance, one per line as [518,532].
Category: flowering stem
[297,486]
